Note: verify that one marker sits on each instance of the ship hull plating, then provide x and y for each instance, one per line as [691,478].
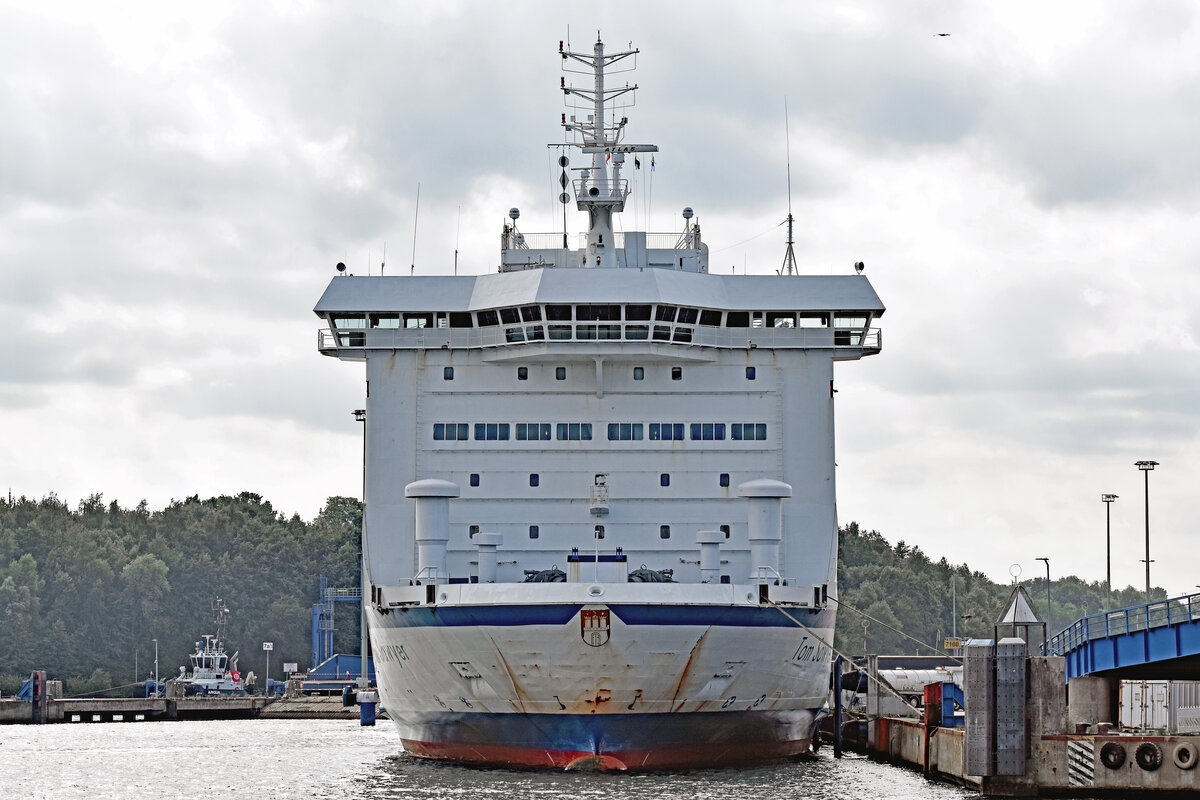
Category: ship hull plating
[626,686]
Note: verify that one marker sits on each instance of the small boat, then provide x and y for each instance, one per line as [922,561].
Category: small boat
[213,672]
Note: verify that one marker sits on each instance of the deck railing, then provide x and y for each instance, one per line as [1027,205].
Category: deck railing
[593,332]
[1126,620]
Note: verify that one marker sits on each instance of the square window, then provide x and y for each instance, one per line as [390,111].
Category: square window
[560,373]
[533,531]
[471,531]
[522,373]
[639,373]
[724,479]
[534,480]
[474,478]
[664,531]
[664,479]
[676,373]
[439,432]
[725,530]
[448,373]
[749,373]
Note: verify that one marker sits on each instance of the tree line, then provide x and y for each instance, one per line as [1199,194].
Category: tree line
[85,591]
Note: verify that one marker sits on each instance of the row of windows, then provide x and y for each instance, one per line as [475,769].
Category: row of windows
[560,373]
[664,479]
[664,531]
[603,312]
[617,431]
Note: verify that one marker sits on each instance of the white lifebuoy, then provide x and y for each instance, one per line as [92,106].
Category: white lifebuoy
[1184,755]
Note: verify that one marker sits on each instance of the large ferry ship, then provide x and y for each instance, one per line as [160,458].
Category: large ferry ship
[600,525]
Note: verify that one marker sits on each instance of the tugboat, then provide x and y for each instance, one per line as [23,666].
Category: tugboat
[213,672]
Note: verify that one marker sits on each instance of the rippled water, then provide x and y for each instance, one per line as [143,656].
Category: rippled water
[339,759]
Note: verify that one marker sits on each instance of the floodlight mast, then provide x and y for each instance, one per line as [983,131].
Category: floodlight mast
[598,191]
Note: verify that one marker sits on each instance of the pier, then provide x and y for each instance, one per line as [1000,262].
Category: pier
[1030,724]
[44,708]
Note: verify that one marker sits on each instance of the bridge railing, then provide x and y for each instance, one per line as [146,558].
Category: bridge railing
[1126,620]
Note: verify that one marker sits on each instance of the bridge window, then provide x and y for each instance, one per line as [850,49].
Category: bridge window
[350,322]
[460,319]
[687,316]
[385,320]
[637,313]
[418,320]
[509,315]
[710,318]
[557,312]
[531,313]
[781,319]
[737,319]
[814,320]
[597,313]
[486,318]
[665,313]
[637,333]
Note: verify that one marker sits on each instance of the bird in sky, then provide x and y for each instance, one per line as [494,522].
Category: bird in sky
[941,34]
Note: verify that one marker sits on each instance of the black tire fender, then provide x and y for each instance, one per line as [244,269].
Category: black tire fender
[1148,756]
[1112,755]
[1184,755]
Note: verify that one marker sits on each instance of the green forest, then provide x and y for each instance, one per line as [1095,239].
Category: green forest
[85,591]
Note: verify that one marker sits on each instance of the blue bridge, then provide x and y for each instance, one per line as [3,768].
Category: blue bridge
[1155,641]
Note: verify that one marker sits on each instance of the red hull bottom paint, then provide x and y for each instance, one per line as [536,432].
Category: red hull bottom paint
[693,756]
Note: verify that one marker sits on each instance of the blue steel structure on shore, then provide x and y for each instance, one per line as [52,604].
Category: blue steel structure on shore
[1159,640]
[323,618]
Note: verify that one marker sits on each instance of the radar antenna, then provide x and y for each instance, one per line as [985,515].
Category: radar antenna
[599,190]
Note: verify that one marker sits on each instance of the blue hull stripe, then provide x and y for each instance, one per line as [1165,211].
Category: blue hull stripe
[631,614]
[611,732]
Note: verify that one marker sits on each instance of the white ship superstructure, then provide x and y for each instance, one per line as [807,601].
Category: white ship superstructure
[595,481]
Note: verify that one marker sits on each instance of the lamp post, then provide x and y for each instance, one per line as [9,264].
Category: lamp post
[155,667]
[1049,626]
[1107,499]
[360,415]
[1145,467]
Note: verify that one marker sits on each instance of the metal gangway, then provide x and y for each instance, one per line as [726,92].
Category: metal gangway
[1155,641]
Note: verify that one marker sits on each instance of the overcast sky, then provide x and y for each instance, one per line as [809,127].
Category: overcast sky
[178,181]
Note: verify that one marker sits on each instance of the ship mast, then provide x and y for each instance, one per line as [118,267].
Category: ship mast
[600,190]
